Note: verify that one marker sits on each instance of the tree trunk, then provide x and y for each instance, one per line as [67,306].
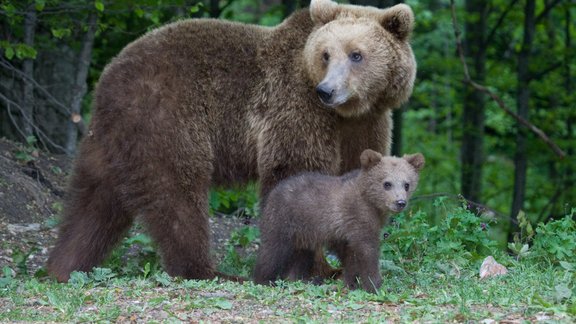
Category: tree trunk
[214,9]
[80,86]
[27,120]
[289,7]
[569,195]
[472,150]
[522,102]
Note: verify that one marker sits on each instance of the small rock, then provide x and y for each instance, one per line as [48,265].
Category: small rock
[14,229]
[491,268]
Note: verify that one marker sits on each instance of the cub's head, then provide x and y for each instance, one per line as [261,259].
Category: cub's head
[357,56]
[388,182]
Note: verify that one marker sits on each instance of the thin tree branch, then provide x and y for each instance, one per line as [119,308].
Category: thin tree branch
[557,150]
[65,110]
[499,22]
[549,6]
[536,76]
[37,130]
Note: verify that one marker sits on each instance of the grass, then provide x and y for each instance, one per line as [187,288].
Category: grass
[425,294]
[430,265]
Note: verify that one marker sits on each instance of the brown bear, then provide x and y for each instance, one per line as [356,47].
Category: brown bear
[203,102]
[306,212]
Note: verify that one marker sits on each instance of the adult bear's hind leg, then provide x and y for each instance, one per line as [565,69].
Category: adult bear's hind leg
[93,223]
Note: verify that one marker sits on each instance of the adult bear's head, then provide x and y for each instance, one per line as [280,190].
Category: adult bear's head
[359,57]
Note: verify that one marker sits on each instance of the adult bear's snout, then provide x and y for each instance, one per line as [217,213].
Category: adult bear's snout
[325,93]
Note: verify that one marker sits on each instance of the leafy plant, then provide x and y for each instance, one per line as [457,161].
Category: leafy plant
[520,245]
[29,152]
[556,240]
[7,279]
[459,235]
[134,257]
[238,259]
[241,203]
[20,257]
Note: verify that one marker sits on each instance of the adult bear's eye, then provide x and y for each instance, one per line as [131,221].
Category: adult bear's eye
[406,186]
[356,57]
[387,185]
[325,57]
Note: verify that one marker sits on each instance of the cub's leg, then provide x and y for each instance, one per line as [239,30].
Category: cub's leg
[301,264]
[361,266]
[273,260]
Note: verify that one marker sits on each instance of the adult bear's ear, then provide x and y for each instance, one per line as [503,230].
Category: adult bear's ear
[323,11]
[398,20]
[416,160]
[369,158]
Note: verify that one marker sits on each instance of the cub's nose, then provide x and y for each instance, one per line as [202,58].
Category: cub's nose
[325,93]
[401,204]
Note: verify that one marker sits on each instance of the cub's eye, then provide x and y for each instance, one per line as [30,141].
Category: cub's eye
[387,185]
[406,186]
[355,57]
[325,57]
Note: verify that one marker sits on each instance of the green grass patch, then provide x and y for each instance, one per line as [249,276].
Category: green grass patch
[430,265]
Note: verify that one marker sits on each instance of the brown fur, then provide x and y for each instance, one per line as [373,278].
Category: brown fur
[208,102]
[304,213]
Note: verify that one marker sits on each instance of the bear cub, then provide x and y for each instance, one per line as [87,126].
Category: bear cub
[310,211]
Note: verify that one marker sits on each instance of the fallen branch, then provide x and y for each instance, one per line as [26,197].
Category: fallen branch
[559,152]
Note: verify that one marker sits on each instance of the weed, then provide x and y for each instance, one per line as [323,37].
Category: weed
[240,203]
[556,240]
[27,153]
[7,279]
[460,236]
[135,256]
[238,259]
[20,257]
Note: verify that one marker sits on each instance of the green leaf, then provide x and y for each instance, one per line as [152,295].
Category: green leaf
[24,51]
[355,306]
[562,292]
[61,32]
[146,270]
[195,8]
[39,4]
[99,5]
[163,278]
[9,53]
[139,12]
[541,301]
[78,279]
[223,304]
[567,265]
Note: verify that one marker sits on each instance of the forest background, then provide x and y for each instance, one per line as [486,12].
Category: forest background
[493,108]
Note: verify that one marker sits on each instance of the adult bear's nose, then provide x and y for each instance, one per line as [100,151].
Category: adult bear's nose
[325,93]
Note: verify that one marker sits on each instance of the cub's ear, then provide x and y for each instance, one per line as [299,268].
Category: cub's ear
[398,20]
[369,158]
[323,11]
[416,160]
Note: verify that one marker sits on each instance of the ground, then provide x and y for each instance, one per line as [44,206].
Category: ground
[32,188]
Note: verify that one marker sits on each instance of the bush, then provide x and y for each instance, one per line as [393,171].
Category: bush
[556,240]
[459,236]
